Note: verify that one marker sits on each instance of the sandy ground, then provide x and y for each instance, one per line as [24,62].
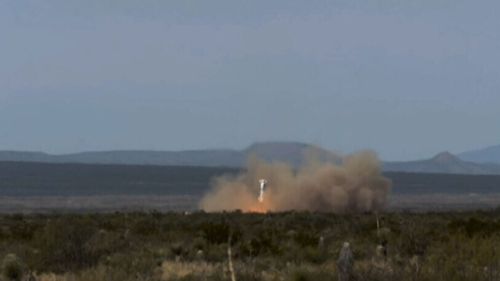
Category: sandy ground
[444,202]
[108,203]
[111,203]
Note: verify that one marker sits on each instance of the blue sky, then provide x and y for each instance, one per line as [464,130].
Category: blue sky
[405,78]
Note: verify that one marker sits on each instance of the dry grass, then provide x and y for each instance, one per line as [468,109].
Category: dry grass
[200,270]
[171,270]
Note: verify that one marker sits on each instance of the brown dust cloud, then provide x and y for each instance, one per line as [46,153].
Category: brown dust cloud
[356,184]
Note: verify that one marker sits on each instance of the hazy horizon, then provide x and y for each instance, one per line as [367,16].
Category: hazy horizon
[407,80]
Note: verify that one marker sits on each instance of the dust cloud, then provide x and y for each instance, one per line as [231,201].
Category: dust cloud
[354,184]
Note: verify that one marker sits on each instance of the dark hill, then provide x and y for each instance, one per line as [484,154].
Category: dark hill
[41,179]
[38,179]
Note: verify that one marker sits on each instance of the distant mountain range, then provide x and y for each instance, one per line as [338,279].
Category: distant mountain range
[475,162]
[210,158]
[486,155]
[289,152]
[443,163]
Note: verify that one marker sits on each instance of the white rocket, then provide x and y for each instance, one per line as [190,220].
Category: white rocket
[263,184]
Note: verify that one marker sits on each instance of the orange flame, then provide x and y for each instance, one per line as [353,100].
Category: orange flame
[259,207]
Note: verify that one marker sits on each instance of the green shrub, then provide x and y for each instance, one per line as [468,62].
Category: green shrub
[12,268]
[62,245]
[311,274]
[216,233]
[147,226]
[314,255]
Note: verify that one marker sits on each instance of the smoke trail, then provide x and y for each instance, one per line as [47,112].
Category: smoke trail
[354,185]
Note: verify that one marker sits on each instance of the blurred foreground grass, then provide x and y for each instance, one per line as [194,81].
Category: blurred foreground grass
[282,246]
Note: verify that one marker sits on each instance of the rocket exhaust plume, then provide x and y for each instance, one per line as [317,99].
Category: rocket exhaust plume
[354,185]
